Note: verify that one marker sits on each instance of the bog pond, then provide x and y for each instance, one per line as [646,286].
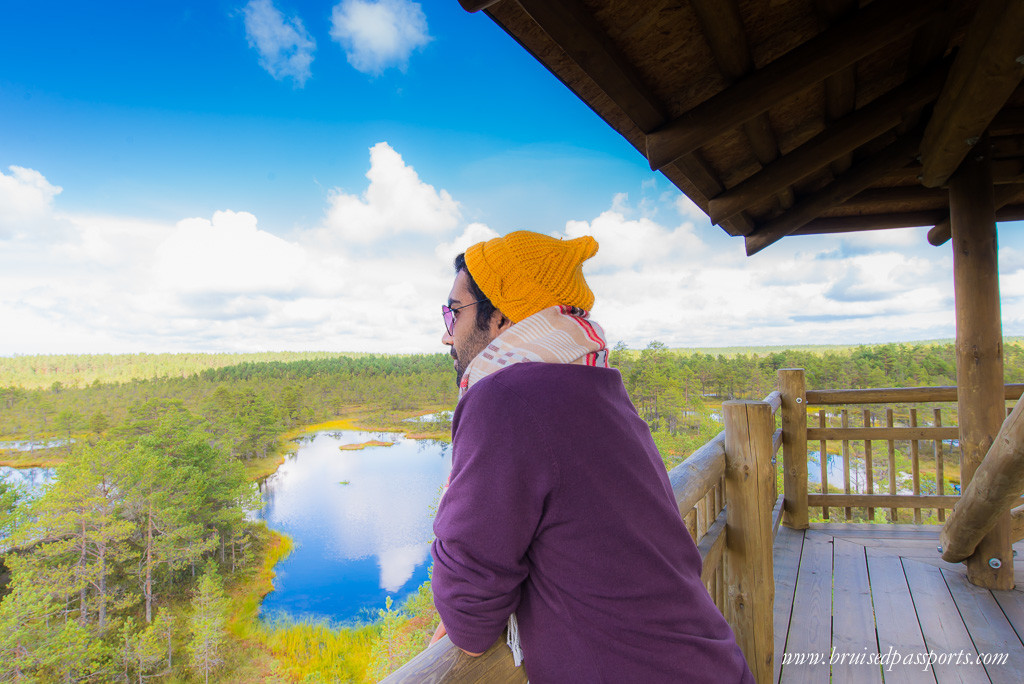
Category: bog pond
[361,521]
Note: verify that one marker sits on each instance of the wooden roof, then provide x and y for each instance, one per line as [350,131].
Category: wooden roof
[797,116]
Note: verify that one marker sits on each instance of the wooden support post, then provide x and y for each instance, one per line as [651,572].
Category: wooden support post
[996,486]
[979,345]
[794,447]
[749,541]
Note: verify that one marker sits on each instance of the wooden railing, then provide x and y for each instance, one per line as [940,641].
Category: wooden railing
[866,426]
[727,495]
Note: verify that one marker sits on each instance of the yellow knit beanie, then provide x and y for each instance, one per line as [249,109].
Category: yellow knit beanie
[525,272]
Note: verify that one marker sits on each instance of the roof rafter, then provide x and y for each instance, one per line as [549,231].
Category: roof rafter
[1003,196]
[988,68]
[857,179]
[829,52]
[842,137]
[575,31]
[723,29]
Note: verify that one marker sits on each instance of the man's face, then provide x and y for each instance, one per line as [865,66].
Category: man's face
[467,339]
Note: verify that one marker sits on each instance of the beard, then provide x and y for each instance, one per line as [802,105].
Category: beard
[464,351]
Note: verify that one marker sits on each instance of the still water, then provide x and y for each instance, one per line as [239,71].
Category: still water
[361,521]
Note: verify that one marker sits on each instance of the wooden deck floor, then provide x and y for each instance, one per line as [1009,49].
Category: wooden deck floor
[873,590]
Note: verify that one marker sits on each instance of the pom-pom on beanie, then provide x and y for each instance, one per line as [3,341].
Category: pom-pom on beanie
[525,272]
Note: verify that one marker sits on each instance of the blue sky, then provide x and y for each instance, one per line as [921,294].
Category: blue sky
[266,175]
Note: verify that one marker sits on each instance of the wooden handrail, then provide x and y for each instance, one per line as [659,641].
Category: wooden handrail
[885,395]
[692,478]
[996,486]
[444,662]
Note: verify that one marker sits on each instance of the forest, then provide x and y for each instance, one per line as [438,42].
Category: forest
[139,561]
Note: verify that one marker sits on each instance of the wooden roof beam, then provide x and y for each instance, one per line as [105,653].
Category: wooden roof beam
[1004,196]
[852,224]
[723,30]
[831,51]
[857,179]
[842,137]
[573,28]
[477,5]
[987,69]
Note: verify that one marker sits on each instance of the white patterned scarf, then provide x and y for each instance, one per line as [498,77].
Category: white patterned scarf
[557,334]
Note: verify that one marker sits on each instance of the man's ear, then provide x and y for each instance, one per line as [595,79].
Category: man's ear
[499,322]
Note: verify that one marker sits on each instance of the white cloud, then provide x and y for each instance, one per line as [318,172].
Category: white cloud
[634,243]
[228,255]
[285,47]
[26,197]
[474,233]
[378,35]
[396,202]
[372,277]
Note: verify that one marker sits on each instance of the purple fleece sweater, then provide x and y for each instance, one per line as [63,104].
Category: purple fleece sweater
[559,509]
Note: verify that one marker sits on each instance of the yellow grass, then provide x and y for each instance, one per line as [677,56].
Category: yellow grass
[365,445]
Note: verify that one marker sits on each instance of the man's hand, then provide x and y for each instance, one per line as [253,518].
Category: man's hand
[440,632]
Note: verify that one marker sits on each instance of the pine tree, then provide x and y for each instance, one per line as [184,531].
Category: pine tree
[207,624]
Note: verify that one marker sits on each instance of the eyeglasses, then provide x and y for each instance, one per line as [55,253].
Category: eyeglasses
[448,314]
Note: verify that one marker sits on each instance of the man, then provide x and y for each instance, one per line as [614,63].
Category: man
[559,519]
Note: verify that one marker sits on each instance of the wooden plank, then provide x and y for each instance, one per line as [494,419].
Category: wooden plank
[887,433]
[943,629]
[898,630]
[986,71]
[989,628]
[853,622]
[838,139]
[786,554]
[832,50]
[861,176]
[810,630]
[877,531]
[894,501]
[1012,605]
[889,395]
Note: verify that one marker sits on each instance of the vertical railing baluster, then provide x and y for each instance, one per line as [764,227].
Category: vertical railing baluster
[915,467]
[846,462]
[869,470]
[940,478]
[893,513]
[823,458]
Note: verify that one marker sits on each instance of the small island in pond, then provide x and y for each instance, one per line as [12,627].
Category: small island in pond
[364,445]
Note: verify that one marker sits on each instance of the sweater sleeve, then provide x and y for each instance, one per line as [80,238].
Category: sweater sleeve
[502,474]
